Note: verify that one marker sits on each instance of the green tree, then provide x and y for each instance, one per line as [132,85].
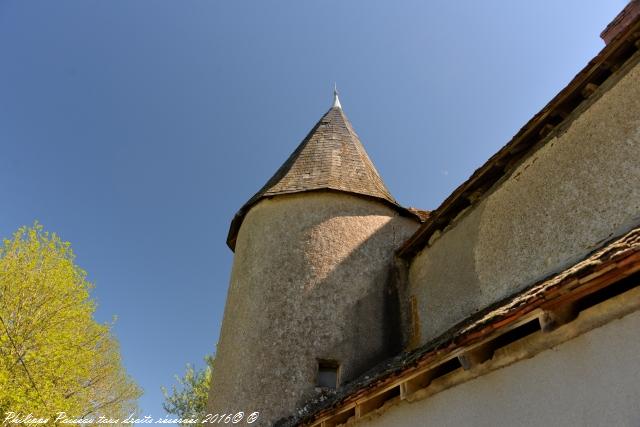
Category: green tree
[53,355]
[189,398]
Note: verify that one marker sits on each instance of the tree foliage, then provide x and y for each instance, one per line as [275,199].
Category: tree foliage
[53,355]
[189,398]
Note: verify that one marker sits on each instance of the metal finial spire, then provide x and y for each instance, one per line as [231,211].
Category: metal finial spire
[336,100]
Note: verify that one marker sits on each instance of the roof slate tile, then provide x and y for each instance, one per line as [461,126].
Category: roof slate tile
[331,157]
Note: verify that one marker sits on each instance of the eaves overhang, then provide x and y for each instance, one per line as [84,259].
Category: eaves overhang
[606,283]
[532,136]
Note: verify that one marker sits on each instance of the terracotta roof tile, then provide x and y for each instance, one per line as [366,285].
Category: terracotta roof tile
[621,22]
[615,260]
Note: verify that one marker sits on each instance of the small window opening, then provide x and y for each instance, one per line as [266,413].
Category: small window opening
[328,371]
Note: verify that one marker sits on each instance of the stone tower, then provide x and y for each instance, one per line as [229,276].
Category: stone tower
[309,305]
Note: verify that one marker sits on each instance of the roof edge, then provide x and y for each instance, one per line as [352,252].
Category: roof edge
[594,74]
[236,222]
[384,194]
[613,262]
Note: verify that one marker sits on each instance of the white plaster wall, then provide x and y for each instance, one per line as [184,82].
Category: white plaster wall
[592,380]
[577,191]
[309,281]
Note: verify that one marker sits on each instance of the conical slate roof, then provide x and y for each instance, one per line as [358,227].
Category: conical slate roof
[331,157]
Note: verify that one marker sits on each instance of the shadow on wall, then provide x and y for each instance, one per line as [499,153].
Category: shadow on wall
[580,188]
[311,282]
[361,284]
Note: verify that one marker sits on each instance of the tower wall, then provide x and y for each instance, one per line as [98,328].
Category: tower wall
[310,281]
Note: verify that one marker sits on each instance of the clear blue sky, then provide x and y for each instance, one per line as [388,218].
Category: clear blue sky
[136,129]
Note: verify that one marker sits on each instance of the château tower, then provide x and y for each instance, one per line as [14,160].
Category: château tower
[520,291]
[309,305]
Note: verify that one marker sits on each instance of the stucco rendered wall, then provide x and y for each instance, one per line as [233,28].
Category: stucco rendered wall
[309,281]
[578,190]
[591,380]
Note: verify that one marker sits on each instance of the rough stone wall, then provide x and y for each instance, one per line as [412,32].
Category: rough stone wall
[591,380]
[579,189]
[309,281]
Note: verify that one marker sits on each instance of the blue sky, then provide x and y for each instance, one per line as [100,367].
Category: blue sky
[136,129]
